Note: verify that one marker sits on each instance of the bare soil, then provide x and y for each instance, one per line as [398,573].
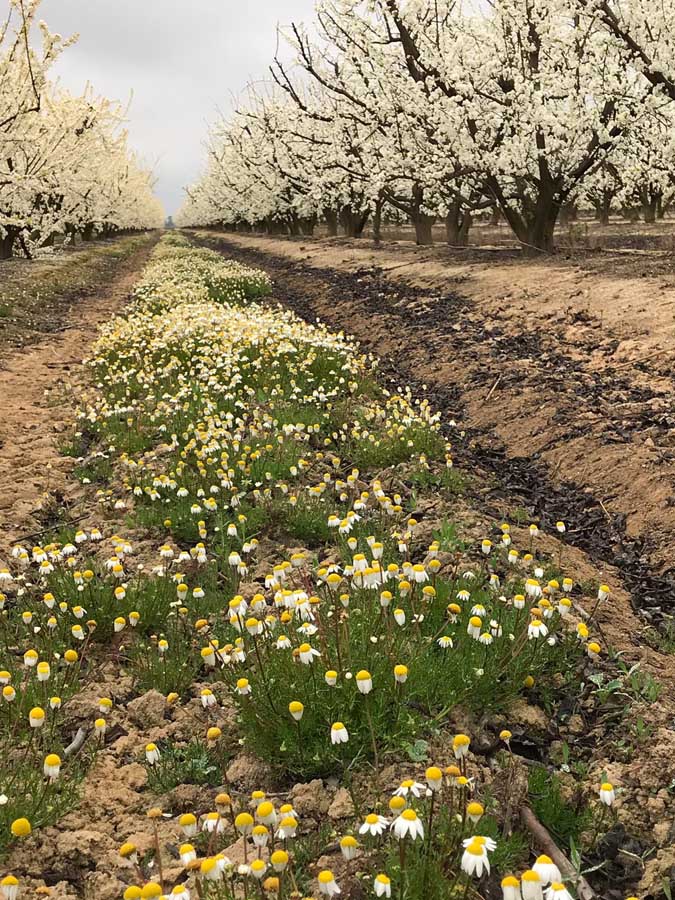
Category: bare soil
[35,490]
[36,296]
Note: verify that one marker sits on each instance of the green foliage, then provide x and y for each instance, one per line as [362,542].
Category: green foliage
[30,795]
[97,469]
[429,870]
[191,763]
[305,522]
[565,819]
[448,537]
[482,677]
[449,480]
[171,671]
[632,684]
[661,638]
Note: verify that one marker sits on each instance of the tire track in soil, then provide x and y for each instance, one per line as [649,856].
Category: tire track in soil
[36,489]
[353,301]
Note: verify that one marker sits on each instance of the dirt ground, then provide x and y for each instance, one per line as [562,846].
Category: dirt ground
[561,366]
[37,405]
[37,295]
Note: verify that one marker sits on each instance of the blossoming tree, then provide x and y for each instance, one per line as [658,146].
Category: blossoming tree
[65,166]
[437,110]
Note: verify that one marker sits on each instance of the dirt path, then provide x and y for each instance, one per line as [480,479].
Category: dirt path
[560,372]
[36,409]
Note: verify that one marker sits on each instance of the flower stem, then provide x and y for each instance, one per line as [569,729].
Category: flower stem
[372,735]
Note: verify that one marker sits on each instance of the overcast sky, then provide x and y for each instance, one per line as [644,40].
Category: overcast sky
[183,60]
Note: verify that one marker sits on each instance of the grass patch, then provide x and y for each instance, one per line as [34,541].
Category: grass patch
[564,813]
[191,763]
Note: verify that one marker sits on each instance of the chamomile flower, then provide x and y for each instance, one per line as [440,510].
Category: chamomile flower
[21,827]
[258,868]
[152,754]
[288,827]
[52,766]
[374,825]
[265,813]
[408,824]
[546,869]
[349,847]
[411,787]
[434,778]
[536,629]
[364,681]
[382,885]
[475,860]
[307,654]
[338,733]
[9,887]
[187,853]
[279,860]
[36,717]
[474,811]
[327,883]
[460,745]
[296,709]
[510,888]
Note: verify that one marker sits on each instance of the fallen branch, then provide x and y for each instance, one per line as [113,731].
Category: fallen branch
[548,846]
[77,743]
[492,390]
[48,530]
[640,359]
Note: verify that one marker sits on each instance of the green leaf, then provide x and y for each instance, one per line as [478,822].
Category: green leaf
[418,751]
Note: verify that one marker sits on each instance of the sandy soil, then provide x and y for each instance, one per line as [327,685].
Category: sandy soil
[34,486]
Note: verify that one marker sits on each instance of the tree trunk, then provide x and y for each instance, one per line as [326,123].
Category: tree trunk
[457,225]
[423,228]
[24,245]
[540,231]
[602,210]
[331,218]
[377,221]
[649,208]
[88,232]
[568,213]
[294,226]
[352,222]
[495,216]
[275,227]
[307,225]
[534,225]
[6,244]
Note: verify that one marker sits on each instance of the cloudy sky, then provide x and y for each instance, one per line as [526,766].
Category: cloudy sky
[183,60]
